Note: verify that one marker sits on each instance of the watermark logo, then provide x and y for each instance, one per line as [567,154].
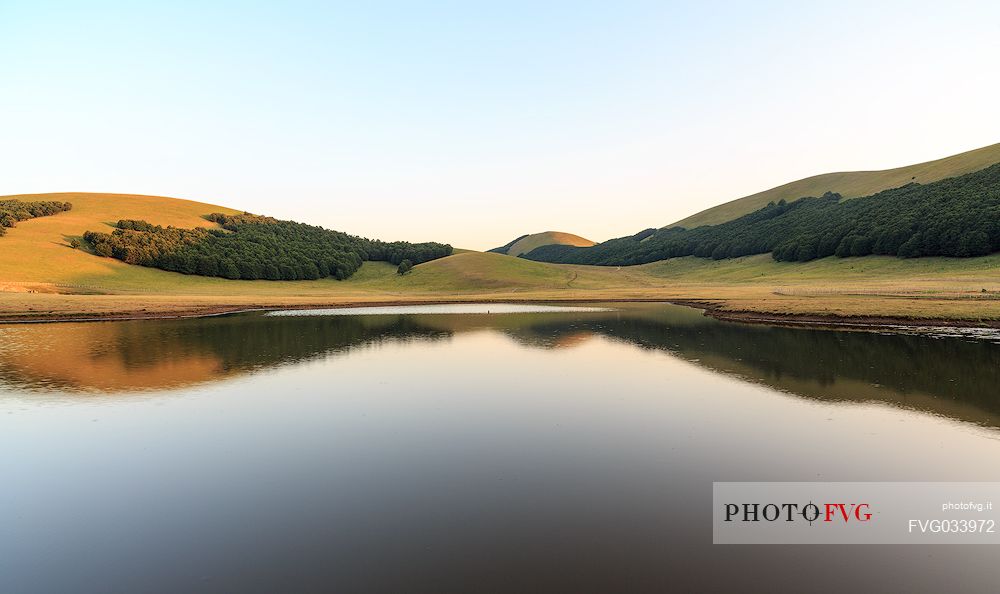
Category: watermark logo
[792,512]
[855,513]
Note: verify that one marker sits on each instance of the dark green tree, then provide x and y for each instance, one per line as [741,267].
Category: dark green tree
[254,247]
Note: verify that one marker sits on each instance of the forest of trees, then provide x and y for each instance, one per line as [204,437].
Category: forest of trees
[14,211]
[254,247]
[958,217]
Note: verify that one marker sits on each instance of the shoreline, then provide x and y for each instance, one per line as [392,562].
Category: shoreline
[225,310]
[708,307]
[834,321]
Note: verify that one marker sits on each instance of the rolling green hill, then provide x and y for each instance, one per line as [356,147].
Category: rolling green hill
[526,243]
[38,250]
[43,277]
[173,235]
[849,184]
[954,217]
[37,255]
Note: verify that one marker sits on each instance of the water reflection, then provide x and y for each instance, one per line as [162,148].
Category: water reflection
[524,452]
[155,355]
[952,377]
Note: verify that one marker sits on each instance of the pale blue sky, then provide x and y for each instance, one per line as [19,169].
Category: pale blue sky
[473,123]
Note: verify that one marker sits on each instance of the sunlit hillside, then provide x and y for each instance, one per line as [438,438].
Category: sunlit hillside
[39,251]
[850,184]
[42,276]
[526,243]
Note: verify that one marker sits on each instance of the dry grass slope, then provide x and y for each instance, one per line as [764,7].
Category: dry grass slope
[525,245]
[850,184]
[74,283]
[38,250]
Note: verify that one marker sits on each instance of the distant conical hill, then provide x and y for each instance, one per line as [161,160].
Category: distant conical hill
[526,243]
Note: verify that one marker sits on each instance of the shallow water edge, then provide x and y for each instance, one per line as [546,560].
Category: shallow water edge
[708,307]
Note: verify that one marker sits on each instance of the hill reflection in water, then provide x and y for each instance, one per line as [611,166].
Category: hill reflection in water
[952,377]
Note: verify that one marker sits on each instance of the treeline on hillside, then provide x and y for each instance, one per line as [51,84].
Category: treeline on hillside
[958,217]
[254,247]
[14,211]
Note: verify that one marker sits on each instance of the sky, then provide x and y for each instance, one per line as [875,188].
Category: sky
[475,122]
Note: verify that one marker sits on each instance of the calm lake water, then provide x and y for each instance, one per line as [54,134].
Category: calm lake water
[533,450]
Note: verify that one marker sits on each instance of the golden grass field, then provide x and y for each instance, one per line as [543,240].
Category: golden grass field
[41,277]
[38,250]
[526,244]
[850,184]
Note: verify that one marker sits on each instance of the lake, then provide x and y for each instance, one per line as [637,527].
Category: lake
[449,449]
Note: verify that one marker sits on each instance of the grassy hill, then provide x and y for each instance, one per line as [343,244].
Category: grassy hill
[850,184]
[486,272]
[66,283]
[954,217]
[37,255]
[39,250]
[526,243]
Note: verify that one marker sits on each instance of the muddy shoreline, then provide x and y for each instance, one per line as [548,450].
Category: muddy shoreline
[222,310]
[709,308]
[832,321]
